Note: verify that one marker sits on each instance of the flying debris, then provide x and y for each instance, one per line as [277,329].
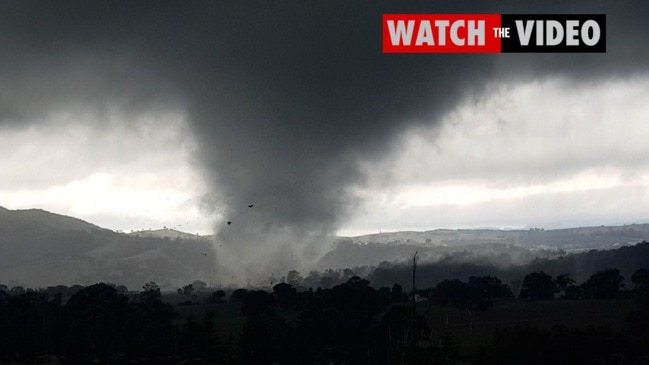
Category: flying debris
[251,205]
[229,223]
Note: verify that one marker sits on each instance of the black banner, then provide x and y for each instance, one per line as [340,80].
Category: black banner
[582,33]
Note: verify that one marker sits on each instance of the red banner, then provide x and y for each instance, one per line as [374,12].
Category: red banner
[441,33]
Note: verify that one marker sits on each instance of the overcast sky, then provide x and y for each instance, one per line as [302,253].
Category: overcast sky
[137,115]
[547,154]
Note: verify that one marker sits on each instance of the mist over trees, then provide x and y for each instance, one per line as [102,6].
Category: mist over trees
[578,267]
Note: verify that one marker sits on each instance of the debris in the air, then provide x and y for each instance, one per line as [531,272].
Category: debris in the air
[251,205]
[229,223]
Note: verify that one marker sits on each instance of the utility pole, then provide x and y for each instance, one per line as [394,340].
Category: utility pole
[412,333]
[414,281]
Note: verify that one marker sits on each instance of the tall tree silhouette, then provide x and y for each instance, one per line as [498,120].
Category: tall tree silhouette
[538,285]
[97,323]
[605,284]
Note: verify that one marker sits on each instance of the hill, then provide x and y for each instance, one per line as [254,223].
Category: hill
[39,248]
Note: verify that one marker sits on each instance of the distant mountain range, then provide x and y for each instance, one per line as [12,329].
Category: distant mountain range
[168,233]
[39,249]
[496,247]
[568,239]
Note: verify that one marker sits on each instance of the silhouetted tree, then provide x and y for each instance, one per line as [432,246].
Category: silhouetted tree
[538,285]
[563,281]
[566,286]
[458,294]
[216,297]
[150,293]
[639,317]
[150,321]
[329,278]
[257,302]
[263,332]
[75,289]
[17,290]
[285,294]
[490,287]
[397,295]
[340,325]
[238,294]
[97,324]
[27,325]
[641,280]
[188,289]
[605,284]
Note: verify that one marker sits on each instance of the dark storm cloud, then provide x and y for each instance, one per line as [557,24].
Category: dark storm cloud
[284,98]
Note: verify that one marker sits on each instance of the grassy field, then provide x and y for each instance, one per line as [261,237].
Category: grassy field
[469,331]
[227,315]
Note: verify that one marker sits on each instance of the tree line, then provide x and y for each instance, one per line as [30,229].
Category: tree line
[349,323]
